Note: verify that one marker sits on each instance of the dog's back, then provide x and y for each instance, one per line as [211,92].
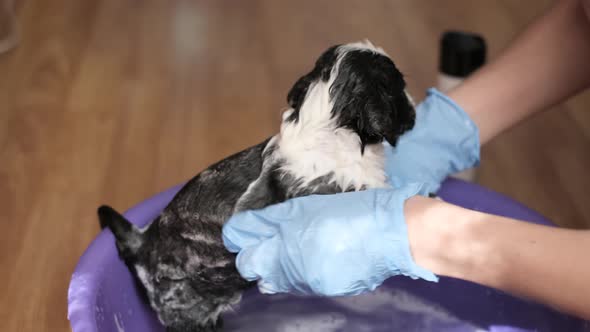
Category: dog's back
[180,258]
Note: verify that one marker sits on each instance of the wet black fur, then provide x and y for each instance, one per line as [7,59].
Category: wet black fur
[190,275]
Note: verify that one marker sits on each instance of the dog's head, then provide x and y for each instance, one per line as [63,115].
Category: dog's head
[365,93]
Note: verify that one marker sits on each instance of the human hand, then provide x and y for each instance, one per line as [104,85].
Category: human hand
[443,141]
[342,244]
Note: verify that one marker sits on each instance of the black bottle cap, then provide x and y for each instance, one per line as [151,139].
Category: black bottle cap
[461,53]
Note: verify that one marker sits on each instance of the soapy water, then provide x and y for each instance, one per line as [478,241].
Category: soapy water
[385,309]
[119,323]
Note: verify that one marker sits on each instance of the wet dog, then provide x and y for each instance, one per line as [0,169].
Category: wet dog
[330,141]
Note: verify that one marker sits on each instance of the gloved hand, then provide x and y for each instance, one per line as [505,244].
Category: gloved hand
[443,141]
[341,244]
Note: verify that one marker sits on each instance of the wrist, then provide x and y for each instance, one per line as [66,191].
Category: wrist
[452,241]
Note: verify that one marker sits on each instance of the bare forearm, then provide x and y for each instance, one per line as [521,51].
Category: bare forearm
[544,65]
[543,263]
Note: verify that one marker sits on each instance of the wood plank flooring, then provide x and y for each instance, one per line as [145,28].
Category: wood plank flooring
[114,100]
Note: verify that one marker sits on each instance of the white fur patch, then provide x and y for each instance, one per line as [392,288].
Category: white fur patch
[266,166]
[364,45]
[225,307]
[145,227]
[199,237]
[410,99]
[143,275]
[315,146]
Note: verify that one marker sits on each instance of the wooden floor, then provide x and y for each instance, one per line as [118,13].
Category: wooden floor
[114,100]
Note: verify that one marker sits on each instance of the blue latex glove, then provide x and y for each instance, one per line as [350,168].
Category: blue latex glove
[443,141]
[342,244]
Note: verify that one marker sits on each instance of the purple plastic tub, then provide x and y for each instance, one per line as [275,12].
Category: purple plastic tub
[103,296]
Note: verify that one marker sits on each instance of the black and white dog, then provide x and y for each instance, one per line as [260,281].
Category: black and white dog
[330,141]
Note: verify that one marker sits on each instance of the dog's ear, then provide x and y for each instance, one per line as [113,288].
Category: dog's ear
[375,116]
[388,116]
[369,97]
[129,238]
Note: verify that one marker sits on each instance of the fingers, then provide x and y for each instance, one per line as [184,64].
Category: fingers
[262,262]
[255,261]
[249,228]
